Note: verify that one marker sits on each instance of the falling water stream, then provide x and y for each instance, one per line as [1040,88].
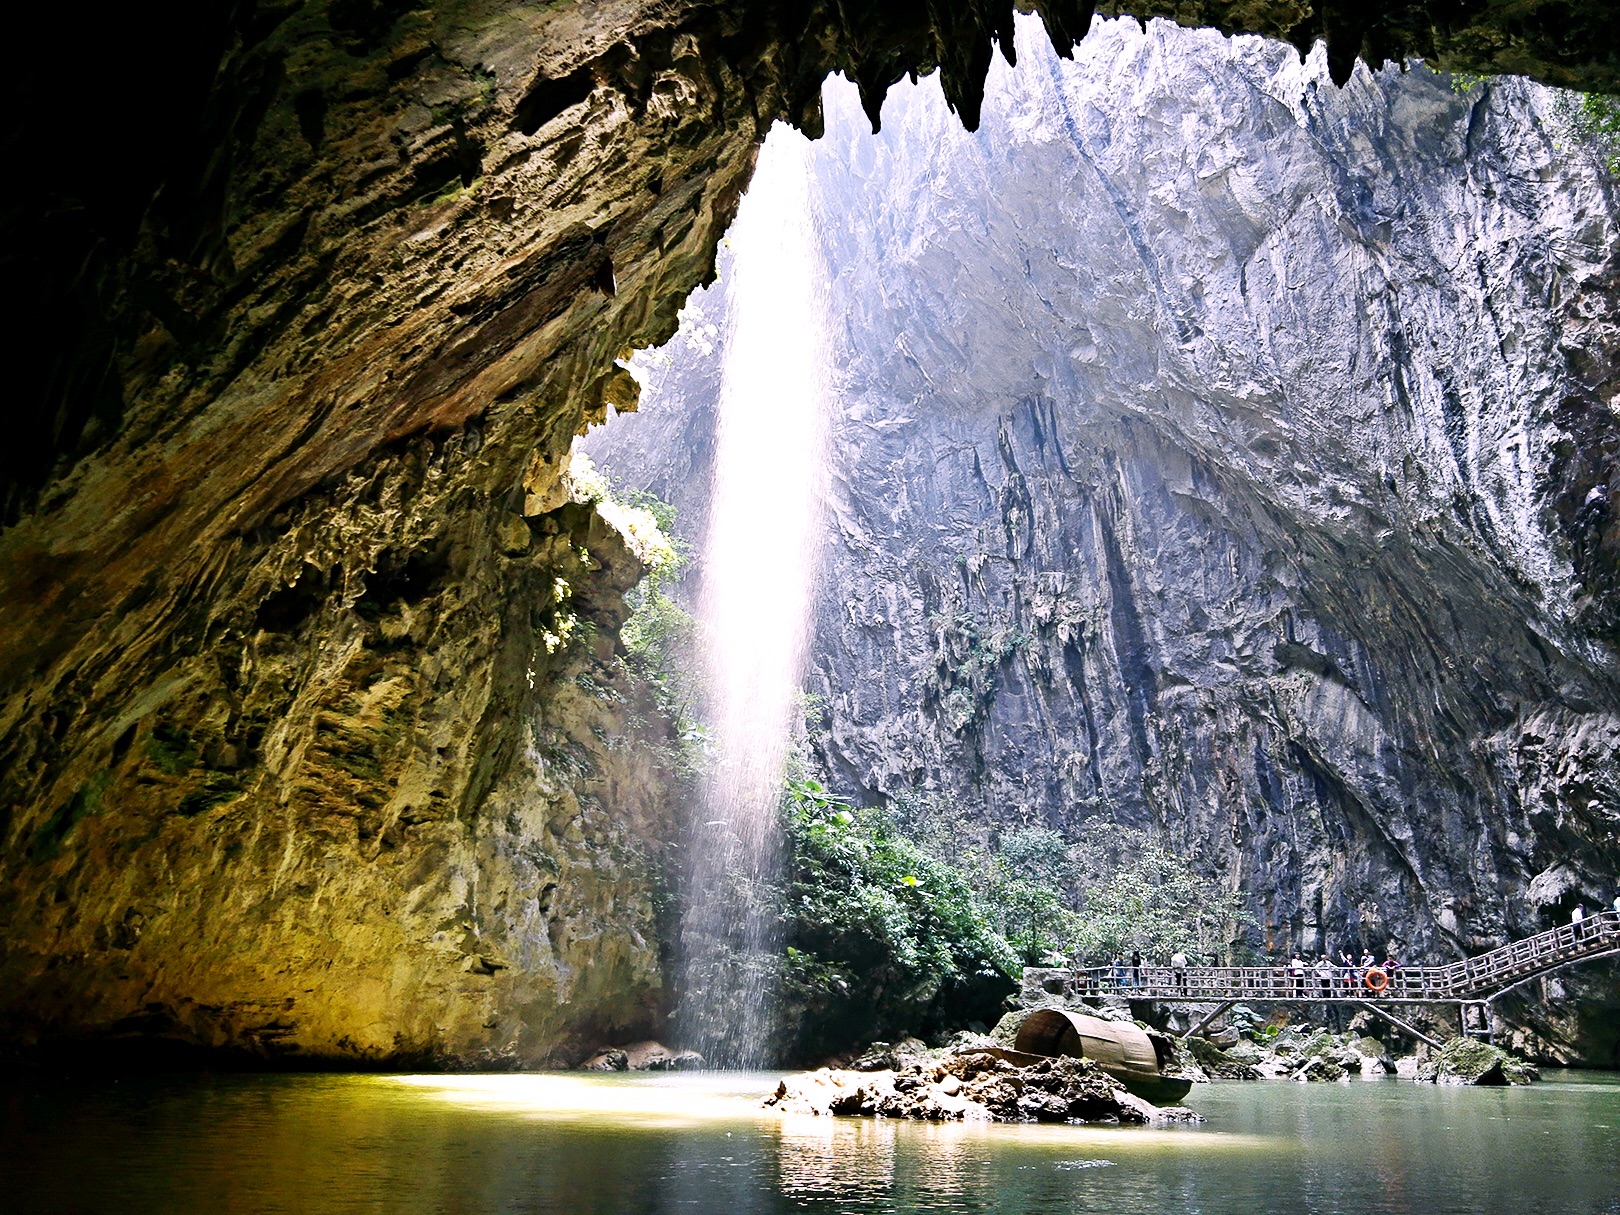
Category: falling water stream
[758,570]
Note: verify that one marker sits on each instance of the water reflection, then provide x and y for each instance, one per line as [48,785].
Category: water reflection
[836,1158]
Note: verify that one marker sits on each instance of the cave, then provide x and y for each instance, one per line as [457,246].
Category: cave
[318,749]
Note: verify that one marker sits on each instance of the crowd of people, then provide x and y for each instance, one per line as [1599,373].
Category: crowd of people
[1347,974]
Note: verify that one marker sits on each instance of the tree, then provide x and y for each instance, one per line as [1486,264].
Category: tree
[1138,894]
[882,938]
[1030,893]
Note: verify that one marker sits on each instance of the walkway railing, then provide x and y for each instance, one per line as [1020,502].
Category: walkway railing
[1476,979]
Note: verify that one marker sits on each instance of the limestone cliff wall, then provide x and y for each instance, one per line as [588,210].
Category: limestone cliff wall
[1224,453]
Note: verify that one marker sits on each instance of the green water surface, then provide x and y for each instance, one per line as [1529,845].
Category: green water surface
[226,1144]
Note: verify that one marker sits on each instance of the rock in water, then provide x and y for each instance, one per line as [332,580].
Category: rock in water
[1219,1064]
[1469,1061]
[973,1087]
[607,1061]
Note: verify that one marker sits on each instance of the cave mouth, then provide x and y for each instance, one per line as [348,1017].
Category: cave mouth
[1122,384]
[310,657]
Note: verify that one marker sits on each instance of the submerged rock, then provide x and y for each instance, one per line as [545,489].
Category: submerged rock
[977,1086]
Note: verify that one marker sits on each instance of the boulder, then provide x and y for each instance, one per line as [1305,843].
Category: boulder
[610,1060]
[1319,1069]
[1245,1051]
[1289,1041]
[885,1056]
[1219,1064]
[1469,1061]
[1372,1058]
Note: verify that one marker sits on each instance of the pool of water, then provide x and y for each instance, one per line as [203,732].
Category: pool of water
[411,1145]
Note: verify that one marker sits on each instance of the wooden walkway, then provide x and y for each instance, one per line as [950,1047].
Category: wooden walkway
[1474,981]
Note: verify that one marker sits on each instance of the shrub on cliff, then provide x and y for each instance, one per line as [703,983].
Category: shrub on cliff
[882,938]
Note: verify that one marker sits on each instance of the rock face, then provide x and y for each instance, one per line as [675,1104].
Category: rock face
[289,762]
[1228,455]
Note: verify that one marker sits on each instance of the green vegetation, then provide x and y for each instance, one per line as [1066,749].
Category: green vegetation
[1031,877]
[1139,894]
[883,939]
[658,635]
[915,918]
[960,681]
[1593,119]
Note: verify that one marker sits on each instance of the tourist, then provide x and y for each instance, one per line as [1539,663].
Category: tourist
[1296,975]
[1617,903]
[1119,970]
[1575,919]
[1136,968]
[1324,974]
[1347,969]
[1178,964]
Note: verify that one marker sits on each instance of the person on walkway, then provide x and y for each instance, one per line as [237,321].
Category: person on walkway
[1296,975]
[1119,970]
[1136,968]
[1575,919]
[1324,973]
[1617,902]
[1178,963]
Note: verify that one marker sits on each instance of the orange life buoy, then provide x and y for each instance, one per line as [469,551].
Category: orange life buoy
[1377,980]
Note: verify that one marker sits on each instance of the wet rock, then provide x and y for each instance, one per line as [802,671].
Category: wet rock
[884,1056]
[1469,1061]
[1372,1057]
[973,1087]
[1244,1051]
[1219,1064]
[612,1060]
[656,1057]
[1319,1069]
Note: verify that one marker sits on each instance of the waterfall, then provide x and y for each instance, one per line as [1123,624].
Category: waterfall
[758,568]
